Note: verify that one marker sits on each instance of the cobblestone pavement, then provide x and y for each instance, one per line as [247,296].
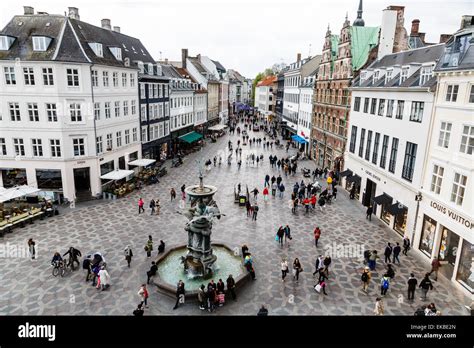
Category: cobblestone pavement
[28,288]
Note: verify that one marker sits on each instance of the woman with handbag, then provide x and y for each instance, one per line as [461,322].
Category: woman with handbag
[297,269]
[284,269]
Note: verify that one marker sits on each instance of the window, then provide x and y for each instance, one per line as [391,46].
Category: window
[127,136]
[72,77]
[10,78]
[373,106]
[437,179]
[78,146]
[471,94]
[369,143]
[416,114]
[143,113]
[19,147]
[29,75]
[119,139]
[99,145]
[97,111]
[124,79]
[459,187]
[375,154]
[467,140]
[142,91]
[390,104]
[37,147]
[381,107]
[366,105]
[444,134]
[5,42]
[33,112]
[400,106]
[393,156]
[109,142]
[48,79]
[105,78]
[388,75]
[117,52]
[107,109]
[409,162]
[75,112]
[134,135]
[404,74]
[51,112]
[115,79]
[452,93]
[426,74]
[55,145]
[3,147]
[132,80]
[144,133]
[40,43]
[125,108]
[361,144]
[97,48]
[134,107]
[117,108]
[95,78]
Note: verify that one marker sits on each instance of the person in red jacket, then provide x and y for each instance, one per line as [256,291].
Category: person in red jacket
[317,234]
[265,194]
[140,206]
[313,201]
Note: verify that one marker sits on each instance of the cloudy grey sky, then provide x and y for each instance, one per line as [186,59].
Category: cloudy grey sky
[246,35]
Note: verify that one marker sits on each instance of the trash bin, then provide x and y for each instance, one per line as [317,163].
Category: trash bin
[242,200]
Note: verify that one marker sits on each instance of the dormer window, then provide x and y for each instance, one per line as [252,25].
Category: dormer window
[141,67]
[150,69]
[404,74]
[426,74]
[117,52]
[41,43]
[97,48]
[388,75]
[375,77]
[6,42]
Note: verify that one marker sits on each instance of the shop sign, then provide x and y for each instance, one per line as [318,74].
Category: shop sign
[453,215]
[372,175]
[81,162]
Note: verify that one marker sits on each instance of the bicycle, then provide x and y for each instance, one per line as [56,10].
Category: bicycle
[59,268]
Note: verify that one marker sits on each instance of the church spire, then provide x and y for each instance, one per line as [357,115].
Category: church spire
[359,22]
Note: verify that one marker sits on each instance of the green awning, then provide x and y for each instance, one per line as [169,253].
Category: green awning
[191,137]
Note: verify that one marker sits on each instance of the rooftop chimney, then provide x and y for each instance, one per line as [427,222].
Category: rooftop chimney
[166,60]
[444,38]
[28,10]
[422,36]
[298,57]
[117,29]
[467,21]
[184,56]
[106,24]
[415,26]
[199,57]
[74,13]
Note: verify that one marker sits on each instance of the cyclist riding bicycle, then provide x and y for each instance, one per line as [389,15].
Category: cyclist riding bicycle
[57,259]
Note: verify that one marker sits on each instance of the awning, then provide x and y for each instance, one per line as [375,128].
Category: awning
[191,137]
[217,127]
[117,174]
[383,199]
[299,139]
[143,162]
[354,178]
[16,192]
[397,209]
[346,172]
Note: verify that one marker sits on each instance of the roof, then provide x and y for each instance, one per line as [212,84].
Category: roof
[363,39]
[267,81]
[420,55]
[459,51]
[183,72]
[219,66]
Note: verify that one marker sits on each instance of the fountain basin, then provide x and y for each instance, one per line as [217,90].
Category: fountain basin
[170,270]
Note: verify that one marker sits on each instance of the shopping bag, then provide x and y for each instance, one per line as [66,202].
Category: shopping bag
[277,238]
[317,288]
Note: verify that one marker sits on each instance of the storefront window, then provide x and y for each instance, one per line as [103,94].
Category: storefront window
[400,223]
[49,179]
[121,162]
[385,215]
[466,266]
[427,235]
[106,167]
[14,177]
[133,156]
[449,246]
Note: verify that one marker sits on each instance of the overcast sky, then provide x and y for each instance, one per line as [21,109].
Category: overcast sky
[245,35]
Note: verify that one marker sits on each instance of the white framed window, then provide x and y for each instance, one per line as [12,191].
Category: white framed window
[51,112]
[459,188]
[125,107]
[19,146]
[142,91]
[48,78]
[404,74]
[117,108]
[97,111]
[5,42]
[444,134]
[132,80]
[115,79]
[33,112]
[416,114]
[437,179]
[107,109]
[119,138]
[144,135]
[471,94]
[134,135]
[97,48]
[55,145]
[37,147]
[72,77]
[150,69]
[109,142]
[3,147]
[105,78]
[124,79]
[143,112]
[452,93]
[75,112]
[14,111]
[134,107]
[95,78]
[127,136]
[388,75]
[426,74]
[79,147]
[467,140]
[99,144]
[10,78]
[40,43]
[29,76]
[117,52]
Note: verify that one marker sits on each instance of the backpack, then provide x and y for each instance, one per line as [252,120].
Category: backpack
[364,277]
[385,284]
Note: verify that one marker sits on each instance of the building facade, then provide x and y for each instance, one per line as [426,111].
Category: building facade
[69,100]
[264,97]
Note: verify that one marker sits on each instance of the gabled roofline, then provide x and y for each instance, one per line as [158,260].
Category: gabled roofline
[60,40]
[78,41]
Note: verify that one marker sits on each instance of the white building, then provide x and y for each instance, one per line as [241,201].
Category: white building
[390,122]
[68,103]
[446,217]
[264,99]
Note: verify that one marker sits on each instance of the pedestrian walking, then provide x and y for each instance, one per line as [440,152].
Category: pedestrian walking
[255,193]
[161,247]
[152,206]
[265,194]
[128,255]
[284,269]
[379,308]
[412,283]
[373,260]
[183,192]
[104,278]
[143,293]
[149,246]
[255,212]
[202,297]
[262,312]
[31,248]
[152,272]
[384,284]
[297,269]
[140,206]
[435,265]
[406,245]
[280,235]
[368,213]
[267,180]
[231,287]
[334,192]
[274,189]
[287,231]
[396,251]
[281,190]
[180,292]
[388,252]
[317,235]
[425,286]
[365,277]
[172,194]
[319,264]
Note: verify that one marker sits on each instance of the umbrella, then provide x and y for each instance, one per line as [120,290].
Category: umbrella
[17,191]
[117,174]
